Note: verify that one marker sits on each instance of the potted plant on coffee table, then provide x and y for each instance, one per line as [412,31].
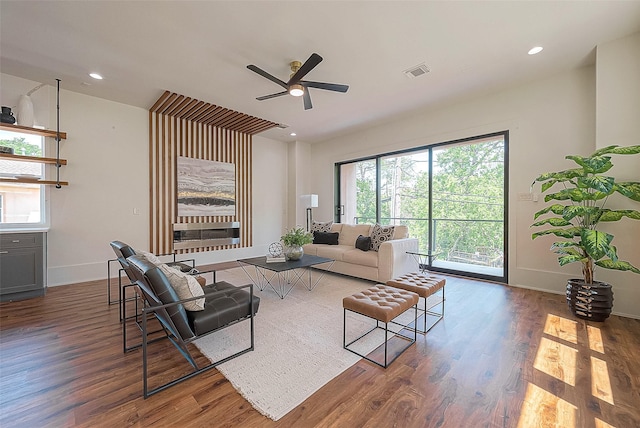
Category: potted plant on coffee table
[584,193]
[293,241]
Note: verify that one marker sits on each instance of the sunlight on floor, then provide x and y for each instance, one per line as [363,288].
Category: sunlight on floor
[557,360]
[600,383]
[561,328]
[595,339]
[543,409]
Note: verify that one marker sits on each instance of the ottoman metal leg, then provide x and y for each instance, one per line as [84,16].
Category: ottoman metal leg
[425,311]
[425,286]
[386,362]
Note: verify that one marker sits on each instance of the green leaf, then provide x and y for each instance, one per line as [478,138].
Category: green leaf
[570,258]
[617,265]
[615,215]
[554,221]
[629,189]
[596,243]
[629,150]
[555,208]
[572,211]
[569,251]
[597,182]
[593,164]
[564,244]
[561,176]
[576,195]
[563,233]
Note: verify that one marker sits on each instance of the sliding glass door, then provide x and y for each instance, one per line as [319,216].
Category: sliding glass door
[452,196]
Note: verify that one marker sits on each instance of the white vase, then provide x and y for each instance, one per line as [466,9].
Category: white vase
[25,111]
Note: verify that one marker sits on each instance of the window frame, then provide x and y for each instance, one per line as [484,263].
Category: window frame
[44,194]
[429,148]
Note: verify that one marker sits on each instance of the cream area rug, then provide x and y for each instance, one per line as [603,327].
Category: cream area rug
[298,343]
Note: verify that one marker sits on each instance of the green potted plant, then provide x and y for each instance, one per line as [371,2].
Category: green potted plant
[293,241]
[585,192]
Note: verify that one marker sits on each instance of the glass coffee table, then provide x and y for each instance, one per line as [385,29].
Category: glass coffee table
[283,276]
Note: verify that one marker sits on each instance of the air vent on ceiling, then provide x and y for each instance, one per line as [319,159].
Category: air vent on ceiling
[417,71]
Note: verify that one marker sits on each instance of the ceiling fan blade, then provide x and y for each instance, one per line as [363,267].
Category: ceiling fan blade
[266,97]
[263,73]
[327,86]
[307,100]
[308,65]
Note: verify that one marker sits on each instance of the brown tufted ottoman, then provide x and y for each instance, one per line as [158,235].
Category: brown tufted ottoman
[383,304]
[424,285]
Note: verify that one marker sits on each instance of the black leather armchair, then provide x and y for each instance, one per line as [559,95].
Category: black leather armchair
[123,251]
[225,305]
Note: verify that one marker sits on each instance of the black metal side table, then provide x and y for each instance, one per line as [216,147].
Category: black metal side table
[424,260]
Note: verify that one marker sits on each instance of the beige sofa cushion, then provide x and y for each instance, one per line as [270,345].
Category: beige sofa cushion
[335,252]
[400,232]
[336,227]
[363,258]
[350,232]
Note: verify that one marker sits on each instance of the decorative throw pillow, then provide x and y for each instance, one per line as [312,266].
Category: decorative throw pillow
[152,258]
[317,226]
[329,238]
[363,243]
[186,287]
[380,234]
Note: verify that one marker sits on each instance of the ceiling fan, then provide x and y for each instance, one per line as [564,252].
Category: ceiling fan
[296,86]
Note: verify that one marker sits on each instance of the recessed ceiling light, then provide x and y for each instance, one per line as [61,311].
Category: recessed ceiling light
[535,50]
[293,134]
[95,76]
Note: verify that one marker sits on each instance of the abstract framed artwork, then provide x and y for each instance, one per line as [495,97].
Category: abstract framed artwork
[205,187]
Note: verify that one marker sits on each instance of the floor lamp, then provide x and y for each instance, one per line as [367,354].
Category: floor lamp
[312,202]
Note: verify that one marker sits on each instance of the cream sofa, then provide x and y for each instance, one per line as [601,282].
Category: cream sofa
[390,261]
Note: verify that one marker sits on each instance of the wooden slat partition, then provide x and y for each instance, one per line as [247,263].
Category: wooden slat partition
[183,126]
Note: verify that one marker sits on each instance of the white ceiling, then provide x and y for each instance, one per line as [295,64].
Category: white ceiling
[201,49]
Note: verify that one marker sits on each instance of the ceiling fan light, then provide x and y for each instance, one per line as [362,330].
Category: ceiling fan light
[296,90]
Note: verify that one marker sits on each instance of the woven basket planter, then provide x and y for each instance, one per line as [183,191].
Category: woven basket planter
[589,301]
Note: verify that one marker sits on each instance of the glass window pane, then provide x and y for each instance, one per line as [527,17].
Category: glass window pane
[21,202]
[459,221]
[358,192]
[468,206]
[404,190]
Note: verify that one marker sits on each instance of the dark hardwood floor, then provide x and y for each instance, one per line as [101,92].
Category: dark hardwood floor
[502,357]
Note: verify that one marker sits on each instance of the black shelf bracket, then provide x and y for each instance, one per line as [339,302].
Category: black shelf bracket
[58,186]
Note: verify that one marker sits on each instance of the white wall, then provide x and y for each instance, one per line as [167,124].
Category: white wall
[107,151]
[546,120]
[299,183]
[618,122]
[618,92]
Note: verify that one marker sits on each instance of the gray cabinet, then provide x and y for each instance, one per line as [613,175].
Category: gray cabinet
[22,265]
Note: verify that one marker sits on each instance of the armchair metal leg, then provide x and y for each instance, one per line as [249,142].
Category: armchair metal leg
[145,365]
[135,319]
[109,301]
